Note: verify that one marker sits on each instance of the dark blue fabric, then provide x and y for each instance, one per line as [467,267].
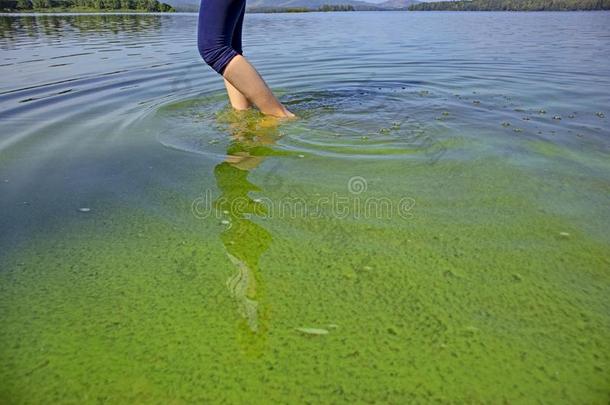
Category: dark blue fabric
[219,31]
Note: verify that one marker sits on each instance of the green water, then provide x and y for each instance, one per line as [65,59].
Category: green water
[395,244]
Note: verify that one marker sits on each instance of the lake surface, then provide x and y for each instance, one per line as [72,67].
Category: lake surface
[433,228]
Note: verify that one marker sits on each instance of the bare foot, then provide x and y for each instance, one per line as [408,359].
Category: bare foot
[288,114]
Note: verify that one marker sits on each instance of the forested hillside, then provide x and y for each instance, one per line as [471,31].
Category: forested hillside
[84,5]
[513,5]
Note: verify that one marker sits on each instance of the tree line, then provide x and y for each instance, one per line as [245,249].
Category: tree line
[135,5]
[336,7]
[513,5]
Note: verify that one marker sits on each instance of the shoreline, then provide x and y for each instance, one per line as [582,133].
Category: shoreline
[83,11]
[97,12]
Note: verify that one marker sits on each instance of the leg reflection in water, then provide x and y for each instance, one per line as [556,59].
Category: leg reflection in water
[244,240]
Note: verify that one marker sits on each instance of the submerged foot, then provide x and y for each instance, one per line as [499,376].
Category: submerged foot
[278,111]
[281,114]
[286,114]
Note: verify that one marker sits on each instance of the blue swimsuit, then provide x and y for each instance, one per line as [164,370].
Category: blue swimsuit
[219,31]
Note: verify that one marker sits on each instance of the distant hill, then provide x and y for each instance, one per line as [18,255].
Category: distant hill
[310,4]
[513,5]
[254,5]
[397,4]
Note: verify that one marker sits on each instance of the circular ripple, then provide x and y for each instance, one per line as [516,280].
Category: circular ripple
[378,122]
[348,123]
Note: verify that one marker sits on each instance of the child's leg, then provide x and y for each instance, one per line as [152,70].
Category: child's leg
[242,75]
[217,22]
[238,100]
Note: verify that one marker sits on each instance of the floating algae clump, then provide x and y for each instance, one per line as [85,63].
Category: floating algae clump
[313,331]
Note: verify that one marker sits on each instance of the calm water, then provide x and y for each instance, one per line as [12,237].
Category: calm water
[434,227]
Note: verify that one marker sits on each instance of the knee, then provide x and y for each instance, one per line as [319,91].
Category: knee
[217,56]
